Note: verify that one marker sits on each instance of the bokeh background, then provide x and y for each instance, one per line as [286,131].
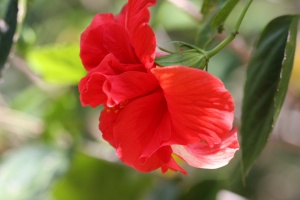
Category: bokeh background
[51,148]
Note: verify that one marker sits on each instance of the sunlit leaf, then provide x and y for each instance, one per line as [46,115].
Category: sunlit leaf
[267,81]
[7,31]
[28,172]
[59,65]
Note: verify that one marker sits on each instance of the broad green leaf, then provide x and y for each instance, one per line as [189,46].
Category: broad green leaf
[59,65]
[222,15]
[29,172]
[190,58]
[7,32]
[267,81]
[206,32]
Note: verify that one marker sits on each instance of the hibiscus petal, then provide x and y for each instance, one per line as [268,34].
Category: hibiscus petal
[110,65]
[144,41]
[107,119]
[200,106]
[101,19]
[200,155]
[160,137]
[128,85]
[121,17]
[134,127]
[90,88]
[142,36]
[164,155]
[117,42]
[92,50]
[172,165]
[137,13]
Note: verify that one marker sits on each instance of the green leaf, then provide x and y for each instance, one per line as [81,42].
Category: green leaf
[267,81]
[189,58]
[206,32]
[29,172]
[59,65]
[222,15]
[6,36]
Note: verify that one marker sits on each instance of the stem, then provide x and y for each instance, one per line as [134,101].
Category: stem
[221,46]
[229,38]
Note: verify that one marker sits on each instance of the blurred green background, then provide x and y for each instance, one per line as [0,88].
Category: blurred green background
[51,148]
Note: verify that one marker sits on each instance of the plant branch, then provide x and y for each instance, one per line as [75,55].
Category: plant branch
[233,34]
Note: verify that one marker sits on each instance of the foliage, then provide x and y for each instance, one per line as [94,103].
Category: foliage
[267,82]
[54,65]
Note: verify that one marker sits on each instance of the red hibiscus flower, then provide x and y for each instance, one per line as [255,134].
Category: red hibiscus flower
[152,113]
[127,36]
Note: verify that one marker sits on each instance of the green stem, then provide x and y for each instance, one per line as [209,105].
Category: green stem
[229,38]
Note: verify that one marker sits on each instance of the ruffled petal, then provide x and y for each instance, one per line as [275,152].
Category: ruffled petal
[90,88]
[200,155]
[127,36]
[138,13]
[121,17]
[110,65]
[144,41]
[101,19]
[135,126]
[107,121]
[117,42]
[92,50]
[200,107]
[139,119]
[142,36]
[127,85]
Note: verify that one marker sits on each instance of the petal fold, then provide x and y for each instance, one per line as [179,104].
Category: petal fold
[107,121]
[128,85]
[137,13]
[142,36]
[200,107]
[144,41]
[134,127]
[117,42]
[200,155]
[90,88]
[92,50]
